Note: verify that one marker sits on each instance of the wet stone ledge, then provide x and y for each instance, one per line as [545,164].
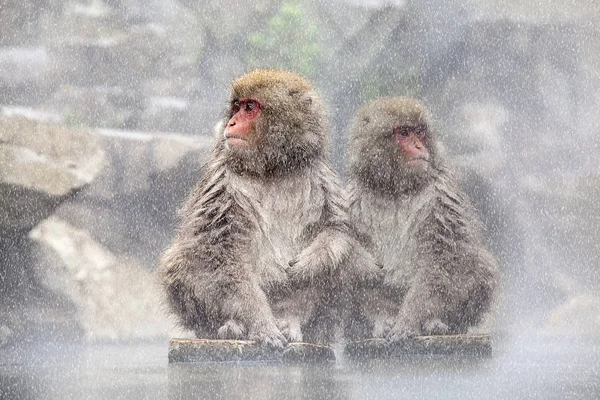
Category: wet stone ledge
[477,345]
[211,351]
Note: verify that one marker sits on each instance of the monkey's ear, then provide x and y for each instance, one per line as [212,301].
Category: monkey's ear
[306,98]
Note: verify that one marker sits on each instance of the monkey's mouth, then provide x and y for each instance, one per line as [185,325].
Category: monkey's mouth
[416,161]
[235,140]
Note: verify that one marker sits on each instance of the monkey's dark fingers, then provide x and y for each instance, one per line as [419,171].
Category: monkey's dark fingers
[435,326]
[381,327]
[299,274]
[290,328]
[273,339]
[402,336]
[369,270]
[401,332]
[232,329]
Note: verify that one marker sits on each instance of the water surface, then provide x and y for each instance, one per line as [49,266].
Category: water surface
[527,366]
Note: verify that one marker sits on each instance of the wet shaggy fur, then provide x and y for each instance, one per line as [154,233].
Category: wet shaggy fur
[265,231]
[439,276]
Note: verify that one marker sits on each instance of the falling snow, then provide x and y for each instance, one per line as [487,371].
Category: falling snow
[107,112]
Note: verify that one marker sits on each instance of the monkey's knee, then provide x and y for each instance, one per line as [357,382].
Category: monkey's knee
[232,329]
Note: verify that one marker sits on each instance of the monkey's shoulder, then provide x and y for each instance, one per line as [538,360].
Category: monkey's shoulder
[452,214]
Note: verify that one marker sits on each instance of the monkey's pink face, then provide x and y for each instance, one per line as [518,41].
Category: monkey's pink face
[411,140]
[239,130]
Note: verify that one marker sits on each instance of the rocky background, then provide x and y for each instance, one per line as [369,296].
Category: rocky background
[108,108]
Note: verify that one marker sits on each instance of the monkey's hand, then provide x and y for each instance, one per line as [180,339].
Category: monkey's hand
[303,272]
[367,272]
[320,260]
[267,334]
[435,326]
[290,328]
[404,328]
[306,269]
[382,327]
[232,329]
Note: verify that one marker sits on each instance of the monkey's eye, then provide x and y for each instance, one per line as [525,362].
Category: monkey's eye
[421,130]
[402,131]
[249,106]
[235,106]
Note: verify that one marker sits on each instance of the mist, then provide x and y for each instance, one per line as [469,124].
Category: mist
[107,111]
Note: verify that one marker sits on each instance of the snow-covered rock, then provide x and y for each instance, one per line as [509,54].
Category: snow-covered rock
[42,164]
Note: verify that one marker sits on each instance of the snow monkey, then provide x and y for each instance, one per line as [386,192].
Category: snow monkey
[264,234]
[439,276]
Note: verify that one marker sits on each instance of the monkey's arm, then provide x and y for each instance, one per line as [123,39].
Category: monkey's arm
[454,276]
[334,244]
[208,281]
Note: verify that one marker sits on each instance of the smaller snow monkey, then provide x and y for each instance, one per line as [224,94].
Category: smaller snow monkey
[439,276]
[265,232]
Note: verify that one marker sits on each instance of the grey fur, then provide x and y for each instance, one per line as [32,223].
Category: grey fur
[264,233]
[439,276]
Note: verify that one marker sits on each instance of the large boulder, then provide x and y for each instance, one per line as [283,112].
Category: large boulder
[107,200]
[123,65]
[580,314]
[99,250]
[131,208]
[119,58]
[114,298]
[42,163]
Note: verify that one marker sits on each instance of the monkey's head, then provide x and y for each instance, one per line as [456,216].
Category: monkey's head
[275,124]
[392,146]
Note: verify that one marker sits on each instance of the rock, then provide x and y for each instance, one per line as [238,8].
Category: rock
[90,267]
[165,114]
[476,144]
[580,314]
[20,20]
[130,209]
[41,164]
[549,11]
[306,353]
[142,11]
[109,56]
[114,297]
[210,350]
[98,106]
[207,350]
[567,213]
[26,75]
[455,345]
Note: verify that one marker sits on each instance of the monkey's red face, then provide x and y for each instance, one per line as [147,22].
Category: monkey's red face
[411,140]
[240,127]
